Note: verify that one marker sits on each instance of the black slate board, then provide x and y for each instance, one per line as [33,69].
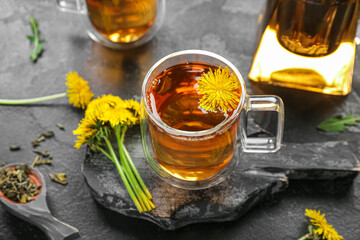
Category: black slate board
[176,207]
[256,177]
[322,160]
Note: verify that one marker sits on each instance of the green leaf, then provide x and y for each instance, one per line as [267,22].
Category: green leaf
[35,53]
[338,123]
[31,38]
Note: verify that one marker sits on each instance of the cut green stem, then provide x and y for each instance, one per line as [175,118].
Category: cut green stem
[105,153]
[132,166]
[126,174]
[122,175]
[131,177]
[31,100]
[138,177]
[120,134]
[307,236]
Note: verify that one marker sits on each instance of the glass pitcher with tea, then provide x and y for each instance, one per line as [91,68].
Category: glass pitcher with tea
[307,44]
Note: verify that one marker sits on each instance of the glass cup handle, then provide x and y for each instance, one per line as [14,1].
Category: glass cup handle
[72,6]
[264,144]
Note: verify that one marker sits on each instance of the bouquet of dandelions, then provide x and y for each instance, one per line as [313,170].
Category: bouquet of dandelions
[109,116]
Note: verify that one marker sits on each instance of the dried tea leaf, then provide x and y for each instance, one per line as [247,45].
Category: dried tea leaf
[59,178]
[48,134]
[24,198]
[44,154]
[44,162]
[37,158]
[61,127]
[39,139]
[35,143]
[18,175]
[25,168]
[42,137]
[14,148]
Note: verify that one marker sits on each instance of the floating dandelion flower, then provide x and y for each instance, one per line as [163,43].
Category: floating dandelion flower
[220,90]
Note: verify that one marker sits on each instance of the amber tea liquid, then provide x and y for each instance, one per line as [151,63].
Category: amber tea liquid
[122,21]
[173,97]
[307,44]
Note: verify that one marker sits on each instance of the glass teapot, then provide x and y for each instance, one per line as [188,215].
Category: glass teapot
[307,44]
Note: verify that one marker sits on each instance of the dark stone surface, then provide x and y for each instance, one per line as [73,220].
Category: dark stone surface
[226,27]
[176,207]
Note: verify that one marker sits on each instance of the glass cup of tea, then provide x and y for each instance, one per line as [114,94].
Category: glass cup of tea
[119,24]
[307,44]
[186,145]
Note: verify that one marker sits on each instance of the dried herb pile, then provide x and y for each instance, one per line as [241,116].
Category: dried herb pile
[16,184]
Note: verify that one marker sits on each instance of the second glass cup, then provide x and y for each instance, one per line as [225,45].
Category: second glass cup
[119,24]
[187,146]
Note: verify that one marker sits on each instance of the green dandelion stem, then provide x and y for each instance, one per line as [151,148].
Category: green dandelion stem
[306,236]
[134,186]
[138,177]
[128,172]
[31,100]
[130,165]
[105,153]
[120,134]
[122,175]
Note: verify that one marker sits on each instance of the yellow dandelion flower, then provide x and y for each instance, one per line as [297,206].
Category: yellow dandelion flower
[117,116]
[79,92]
[220,90]
[108,109]
[324,229]
[98,106]
[123,112]
[85,130]
[112,109]
[133,105]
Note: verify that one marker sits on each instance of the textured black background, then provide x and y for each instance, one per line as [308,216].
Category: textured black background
[224,27]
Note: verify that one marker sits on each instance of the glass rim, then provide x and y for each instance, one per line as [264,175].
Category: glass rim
[175,131]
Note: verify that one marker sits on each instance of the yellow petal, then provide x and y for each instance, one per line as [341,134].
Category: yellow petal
[220,90]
